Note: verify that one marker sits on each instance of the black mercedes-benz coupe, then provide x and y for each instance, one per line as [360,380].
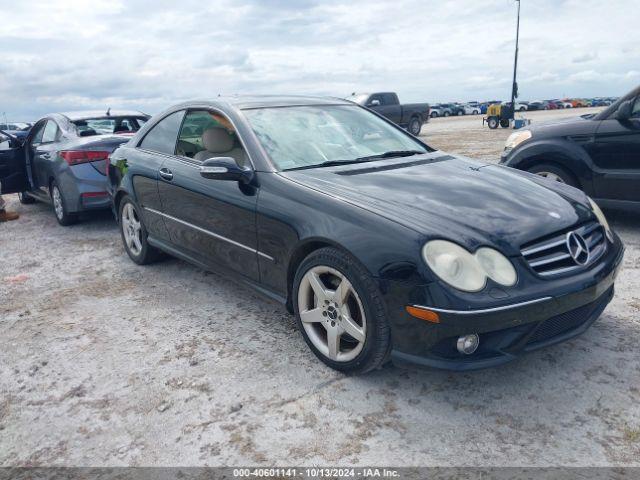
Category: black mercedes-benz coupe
[383,247]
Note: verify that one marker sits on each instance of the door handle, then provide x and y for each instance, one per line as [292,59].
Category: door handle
[166,173]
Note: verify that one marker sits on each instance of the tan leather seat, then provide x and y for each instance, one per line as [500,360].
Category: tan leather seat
[218,142]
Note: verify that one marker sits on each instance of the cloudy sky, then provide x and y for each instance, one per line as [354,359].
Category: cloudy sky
[146,55]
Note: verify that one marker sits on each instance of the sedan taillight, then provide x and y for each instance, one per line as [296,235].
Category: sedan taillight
[75,157]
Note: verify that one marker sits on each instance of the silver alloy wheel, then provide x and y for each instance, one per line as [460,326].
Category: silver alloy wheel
[132,229]
[551,176]
[57,202]
[331,313]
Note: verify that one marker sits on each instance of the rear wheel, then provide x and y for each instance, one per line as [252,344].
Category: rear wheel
[415,125]
[25,199]
[134,234]
[554,173]
[445,114]
[504,123]
[460,112]
[59,206]
[340,312]
[493,123]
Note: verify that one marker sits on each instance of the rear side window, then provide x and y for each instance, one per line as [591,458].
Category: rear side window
[50,132]
[162,137]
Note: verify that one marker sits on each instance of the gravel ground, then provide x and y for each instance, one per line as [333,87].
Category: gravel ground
[106,363]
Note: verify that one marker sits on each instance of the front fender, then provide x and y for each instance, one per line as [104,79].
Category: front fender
[566,153]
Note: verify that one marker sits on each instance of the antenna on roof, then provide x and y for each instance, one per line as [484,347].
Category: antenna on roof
[109,112]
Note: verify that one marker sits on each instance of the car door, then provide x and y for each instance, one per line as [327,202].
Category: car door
[144,168]
[44,152]
[616,156]
[213,220]
[13,174]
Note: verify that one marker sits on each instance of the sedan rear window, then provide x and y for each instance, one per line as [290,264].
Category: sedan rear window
[108,125]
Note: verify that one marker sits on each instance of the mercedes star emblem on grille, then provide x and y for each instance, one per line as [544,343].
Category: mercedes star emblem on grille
[578,248]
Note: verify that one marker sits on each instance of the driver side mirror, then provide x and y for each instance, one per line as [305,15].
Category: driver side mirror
[625,110]
[225,168]
[374,103]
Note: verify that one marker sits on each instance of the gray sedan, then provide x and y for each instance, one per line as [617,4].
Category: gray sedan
[66,155]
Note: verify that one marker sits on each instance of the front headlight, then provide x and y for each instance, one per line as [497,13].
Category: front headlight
[516,139]
[466,271]
[602,219]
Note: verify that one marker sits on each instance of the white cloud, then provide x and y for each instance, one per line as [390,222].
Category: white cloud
[60,55]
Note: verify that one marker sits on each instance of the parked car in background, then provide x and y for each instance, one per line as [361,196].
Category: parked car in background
[535,105]
[16,129]
[409,115]
[472,108]
[443,109]
[457,109]
[598,153]
[349,221]
[65,158]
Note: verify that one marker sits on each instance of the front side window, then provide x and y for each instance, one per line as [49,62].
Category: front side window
[305,136]
[5,142]
[205,134]
[162,137]
[39,130]
[635,113]
[50,132]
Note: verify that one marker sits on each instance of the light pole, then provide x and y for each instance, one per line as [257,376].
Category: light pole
[514,86]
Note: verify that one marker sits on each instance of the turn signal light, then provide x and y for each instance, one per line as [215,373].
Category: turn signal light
[423,314]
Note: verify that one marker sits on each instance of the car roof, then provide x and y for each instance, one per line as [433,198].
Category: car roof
[262,101]
[81,115]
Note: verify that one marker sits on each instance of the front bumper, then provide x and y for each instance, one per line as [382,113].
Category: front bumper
[508,331]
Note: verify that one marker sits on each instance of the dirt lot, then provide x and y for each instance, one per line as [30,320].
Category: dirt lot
[103,362]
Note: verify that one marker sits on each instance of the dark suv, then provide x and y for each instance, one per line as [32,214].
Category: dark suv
[598,153]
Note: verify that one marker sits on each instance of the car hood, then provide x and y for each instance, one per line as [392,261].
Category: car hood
[443,196]
[579,123]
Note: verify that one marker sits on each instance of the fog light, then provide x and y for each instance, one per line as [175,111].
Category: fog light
[468,344]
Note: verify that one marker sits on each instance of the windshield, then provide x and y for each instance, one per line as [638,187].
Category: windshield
[108,125]
[304,136]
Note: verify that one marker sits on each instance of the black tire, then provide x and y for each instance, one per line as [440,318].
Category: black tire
[504,123]
[25,199]
[493,123]
[415,125]
[376,348]
[434,114]
[64,217]
[445,114]
[566,176]
[147,253]
[522,109]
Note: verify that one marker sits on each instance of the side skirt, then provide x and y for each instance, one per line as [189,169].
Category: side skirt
[174,252]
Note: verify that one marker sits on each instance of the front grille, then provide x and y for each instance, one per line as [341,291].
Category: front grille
[551,256]
[566,322]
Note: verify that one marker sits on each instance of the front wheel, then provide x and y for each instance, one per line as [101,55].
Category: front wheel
[415,125]
[434,114]
[554,173]
[59,206]
[340,312]
[445,114]
[504,123]
[134,234]
[493,123]
[25,199]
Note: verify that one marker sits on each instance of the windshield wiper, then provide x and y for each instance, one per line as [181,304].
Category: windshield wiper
[370,158]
